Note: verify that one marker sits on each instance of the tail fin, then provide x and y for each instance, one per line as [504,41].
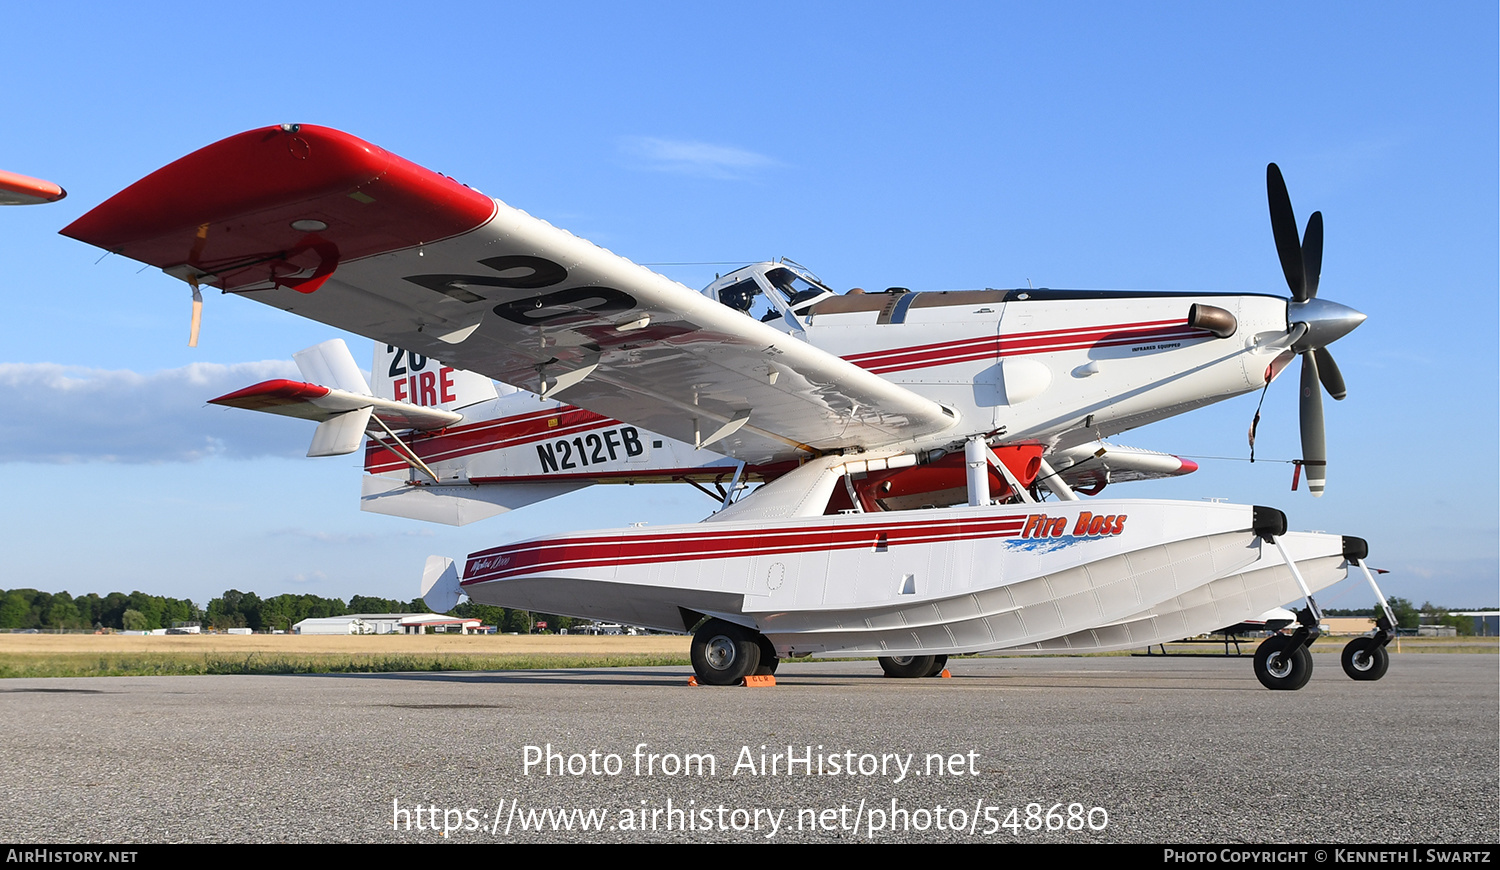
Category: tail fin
[440,584]
[337,397]
[404,376]
[332,365]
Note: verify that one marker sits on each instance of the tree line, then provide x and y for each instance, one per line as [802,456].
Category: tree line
[140,611]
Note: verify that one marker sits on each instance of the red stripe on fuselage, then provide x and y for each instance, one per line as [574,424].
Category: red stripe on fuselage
[460,441]
[538,557]
[1022,343]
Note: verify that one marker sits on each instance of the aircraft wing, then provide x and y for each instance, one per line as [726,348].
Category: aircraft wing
[17,189]
[327,226]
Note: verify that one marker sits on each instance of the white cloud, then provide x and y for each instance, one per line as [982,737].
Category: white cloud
[63,414]
[694,158]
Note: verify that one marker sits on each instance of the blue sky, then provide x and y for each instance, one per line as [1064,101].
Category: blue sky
[965,145]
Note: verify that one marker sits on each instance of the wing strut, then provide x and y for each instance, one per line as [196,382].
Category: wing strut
[976,455]
[1054,482]
[406,453]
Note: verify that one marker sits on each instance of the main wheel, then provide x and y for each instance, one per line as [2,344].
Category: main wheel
[724,653]
[1364,659]
[938,663]
[1279,665]
[906,667]
[768,658]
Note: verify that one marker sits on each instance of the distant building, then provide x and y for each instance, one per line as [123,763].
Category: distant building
[1486,622]
[385,623]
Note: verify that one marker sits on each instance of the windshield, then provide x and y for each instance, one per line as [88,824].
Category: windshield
[798,291]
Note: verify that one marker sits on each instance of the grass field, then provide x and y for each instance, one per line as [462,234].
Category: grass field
[85,655]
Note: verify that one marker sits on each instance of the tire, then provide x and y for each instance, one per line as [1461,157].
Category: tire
[768,658]
[938,663]
[723,653]
[1364,659]
[1280,666]
[907,667]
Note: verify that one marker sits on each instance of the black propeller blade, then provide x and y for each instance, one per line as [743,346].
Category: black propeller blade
[1284,228]
[1329,374]
[1314,447]
[1312,324]
[1312,254]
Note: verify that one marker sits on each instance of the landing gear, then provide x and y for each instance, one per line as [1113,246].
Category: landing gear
[723,653]
[906,667]
[1283,662]
[911,667]
[768,658]
[1365,658]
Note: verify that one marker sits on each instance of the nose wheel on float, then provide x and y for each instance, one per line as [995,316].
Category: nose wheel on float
[1282,661]
[1366,658]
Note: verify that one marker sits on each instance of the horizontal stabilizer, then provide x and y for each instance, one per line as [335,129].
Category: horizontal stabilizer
[315,402]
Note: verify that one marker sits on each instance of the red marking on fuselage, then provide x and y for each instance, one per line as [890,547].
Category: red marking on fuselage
[1023,343]
[459,441]
[537,557]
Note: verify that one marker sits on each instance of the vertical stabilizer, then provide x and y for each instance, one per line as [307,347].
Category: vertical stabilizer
[331,365]
[410,377]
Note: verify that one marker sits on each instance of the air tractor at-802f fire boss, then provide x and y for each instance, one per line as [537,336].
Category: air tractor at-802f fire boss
[903,441]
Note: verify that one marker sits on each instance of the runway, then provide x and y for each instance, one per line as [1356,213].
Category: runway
[1102,750]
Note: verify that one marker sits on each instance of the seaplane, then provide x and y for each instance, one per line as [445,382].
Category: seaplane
[910,475]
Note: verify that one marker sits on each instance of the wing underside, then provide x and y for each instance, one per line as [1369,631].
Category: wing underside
[326,226]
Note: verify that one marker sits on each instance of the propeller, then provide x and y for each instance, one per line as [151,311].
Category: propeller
[1312,323]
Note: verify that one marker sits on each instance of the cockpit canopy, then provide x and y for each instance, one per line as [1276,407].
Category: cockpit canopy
[770,292]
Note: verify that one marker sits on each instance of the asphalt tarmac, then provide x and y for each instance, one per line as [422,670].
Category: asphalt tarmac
[1086,750]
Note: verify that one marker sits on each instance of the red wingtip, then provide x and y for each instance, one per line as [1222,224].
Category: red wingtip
[1188,466]
[267,394]
[17,189]
[274,202]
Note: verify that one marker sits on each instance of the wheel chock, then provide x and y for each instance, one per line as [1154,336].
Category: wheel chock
[751,682]
[945,675]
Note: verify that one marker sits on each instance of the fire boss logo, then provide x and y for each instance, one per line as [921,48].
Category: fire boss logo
[1089,525]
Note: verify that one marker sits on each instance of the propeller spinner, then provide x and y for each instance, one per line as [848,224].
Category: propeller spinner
[1316,323]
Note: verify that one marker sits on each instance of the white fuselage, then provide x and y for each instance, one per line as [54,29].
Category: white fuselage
[1056,369]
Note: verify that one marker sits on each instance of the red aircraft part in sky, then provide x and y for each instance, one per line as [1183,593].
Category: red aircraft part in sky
[18,189]
[277,201]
